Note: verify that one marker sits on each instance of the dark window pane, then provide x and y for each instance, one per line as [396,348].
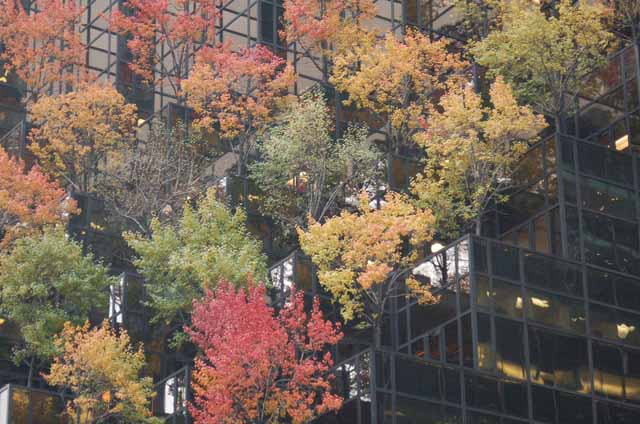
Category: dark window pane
[607,198]
[480,418]
[632,380]
[509,348]
[545,272]
[615,414]
[607,371]
[483,291]
[451,344]
[544,409]
[467,341]
[601,286]
[574,409]
[482,392]
[486,355]
[515,398]
[417,378]
[505,261]
[434,346]
[411,411]
[426,317]
[610,323]
[452,385]
[479,255]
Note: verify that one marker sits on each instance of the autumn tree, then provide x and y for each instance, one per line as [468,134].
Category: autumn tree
[45,280]
[180,262]
[319,28]
[42,46]
[473,149]
[303,171]
[155,177]
[364,258]
[102,371]
[259,366]
[163,36]
[546,58]
[236,94]
[76,132]
[477,16]
[395,78]
[29,201]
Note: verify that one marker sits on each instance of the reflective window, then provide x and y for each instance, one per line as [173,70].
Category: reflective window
[607,371]
[505,261]
[613,324]
[559,360]
[411,411]
[544,409]
[451,343]
[515,398]
[548,273]
[616,414]
[574,409]
[479,250]
[603,162]
[556,311]
[486,354]
[483,291]
[614,289]
[507,299]
[510,348]
[417,378]
[426,317]
[482,392]
[607,198]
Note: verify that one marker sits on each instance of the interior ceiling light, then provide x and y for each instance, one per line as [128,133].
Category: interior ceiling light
[624,330]
[518,302]
[623,142]
[540,303]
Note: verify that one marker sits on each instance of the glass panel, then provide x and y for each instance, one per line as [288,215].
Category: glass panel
[607,198]
[467,341]
[482,392]
[616,414]
[417,378]
[303,271]
[607,371]
[47,408]
[602,162]
[507,299]
[610,323]
[510,348]
[452,346]
[543,404]
[426,317]
[557,311]
[545,272]
[434,347]
[483,291]
[486,355]
[515,398]
[479,255]
[505,261]
[19,406]
[452,385]
[632,379]
[574,409]
[411,411]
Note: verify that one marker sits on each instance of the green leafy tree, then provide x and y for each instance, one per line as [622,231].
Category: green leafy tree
[546,57]
[179,262]
[304,172]
[45,281]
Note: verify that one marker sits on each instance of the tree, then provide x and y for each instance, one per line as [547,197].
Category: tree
[546,58]
[163,36]
[42,46]
[156,177]
[45,280]
[237,94]
[322,27]
[29,201]
[102,371]
[303,171]
[258,366]
[363,258]
[76,132]
[396,79]
[478,16]
[472,152]
[179,263]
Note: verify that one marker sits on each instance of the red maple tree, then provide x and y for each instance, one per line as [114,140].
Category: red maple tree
[42,46]
[28,201]
[258,365]
[181,25]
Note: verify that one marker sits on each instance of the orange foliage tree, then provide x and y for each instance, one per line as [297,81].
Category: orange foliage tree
[258,366]
[76,132]
[102,370]
[42,46]
[28,201]
[394,78]
[181,25]
[237,94]
[364,258]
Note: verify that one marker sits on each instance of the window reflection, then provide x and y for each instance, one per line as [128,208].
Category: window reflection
[555,310]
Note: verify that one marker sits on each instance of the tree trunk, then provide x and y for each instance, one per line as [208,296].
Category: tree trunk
[30,375]
[479,225]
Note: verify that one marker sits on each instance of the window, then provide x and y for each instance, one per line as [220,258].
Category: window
[505,261]
[510,348]
[607,371]
[613,324]
[557,311]
[417,378]
[507,299]
[548,273]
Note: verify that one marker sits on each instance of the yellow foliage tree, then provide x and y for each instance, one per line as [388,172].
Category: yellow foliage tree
[546,57]
[394,78]
[363,258]
[102,370]
[75,132]
[473,149]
